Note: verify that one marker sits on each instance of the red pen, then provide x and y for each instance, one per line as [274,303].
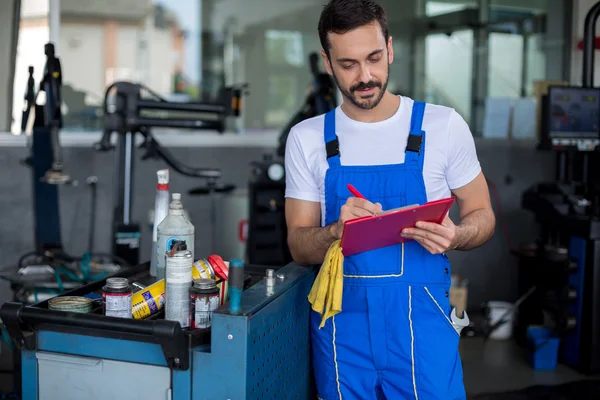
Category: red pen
[355,192]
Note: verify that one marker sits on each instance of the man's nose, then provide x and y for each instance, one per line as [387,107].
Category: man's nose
[365,74]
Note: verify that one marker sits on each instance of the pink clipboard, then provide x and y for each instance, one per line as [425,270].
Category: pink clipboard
[370,233]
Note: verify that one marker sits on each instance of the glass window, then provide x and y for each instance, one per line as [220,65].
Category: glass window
[449,70]
[433,8]
[33,35]
[504,71]
[189,49]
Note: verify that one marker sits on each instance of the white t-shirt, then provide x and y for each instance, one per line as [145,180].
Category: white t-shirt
[450,156]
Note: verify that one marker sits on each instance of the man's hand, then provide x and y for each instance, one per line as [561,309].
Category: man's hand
[436,238]
[355,207]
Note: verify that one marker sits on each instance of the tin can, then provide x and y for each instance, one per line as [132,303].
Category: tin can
[116,295]
[70,303]
[178,280]
[149,300]
[204,300]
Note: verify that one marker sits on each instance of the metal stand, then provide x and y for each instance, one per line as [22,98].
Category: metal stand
[125,118]
[567,262]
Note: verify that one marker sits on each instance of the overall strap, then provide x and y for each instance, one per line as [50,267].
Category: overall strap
[332,145]
[416,140]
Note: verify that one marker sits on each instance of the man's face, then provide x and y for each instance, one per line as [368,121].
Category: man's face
[359,61]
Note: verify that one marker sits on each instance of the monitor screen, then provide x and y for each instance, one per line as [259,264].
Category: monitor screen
[574,112]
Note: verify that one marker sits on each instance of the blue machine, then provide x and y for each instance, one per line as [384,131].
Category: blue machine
[262,352]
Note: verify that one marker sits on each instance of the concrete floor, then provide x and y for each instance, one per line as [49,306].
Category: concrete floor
[500,366]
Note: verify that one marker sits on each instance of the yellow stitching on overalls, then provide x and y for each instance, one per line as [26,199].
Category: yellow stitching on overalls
[440,307]
[382,276]
[337,376]
[412,342]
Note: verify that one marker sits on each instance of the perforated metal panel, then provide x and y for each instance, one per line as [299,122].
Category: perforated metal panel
[264,352]
[279,349]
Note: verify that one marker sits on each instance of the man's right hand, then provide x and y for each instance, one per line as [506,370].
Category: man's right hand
[355,207]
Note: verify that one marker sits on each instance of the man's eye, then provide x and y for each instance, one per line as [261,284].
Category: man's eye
[347,66]
[375,60]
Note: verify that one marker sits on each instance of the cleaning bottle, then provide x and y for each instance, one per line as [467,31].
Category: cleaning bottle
[174,227]
[161,209]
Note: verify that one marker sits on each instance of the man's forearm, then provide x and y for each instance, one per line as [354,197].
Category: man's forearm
[309,245]
[475,229]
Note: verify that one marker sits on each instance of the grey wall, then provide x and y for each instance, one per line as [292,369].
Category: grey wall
[17,229]
[490,269]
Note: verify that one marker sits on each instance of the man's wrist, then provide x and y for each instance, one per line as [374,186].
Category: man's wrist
[332,230]
[459,238]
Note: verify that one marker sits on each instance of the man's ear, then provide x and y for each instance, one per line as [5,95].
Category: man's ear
[326,62]
[390,50]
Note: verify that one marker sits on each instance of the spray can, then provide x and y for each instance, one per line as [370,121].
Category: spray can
[175,227]
[149,300]
[161,209]
[178,278]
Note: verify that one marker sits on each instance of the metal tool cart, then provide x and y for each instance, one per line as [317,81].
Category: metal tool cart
[260,353]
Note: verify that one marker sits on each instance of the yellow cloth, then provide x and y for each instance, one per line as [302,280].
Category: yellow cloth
[326,292]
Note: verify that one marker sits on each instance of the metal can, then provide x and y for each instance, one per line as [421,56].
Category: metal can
[204,300]
[149,300]
[178,277]
[116,295]
[202,270]
[213,267]
[70,303]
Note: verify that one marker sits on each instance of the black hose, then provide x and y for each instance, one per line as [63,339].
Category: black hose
[589,45]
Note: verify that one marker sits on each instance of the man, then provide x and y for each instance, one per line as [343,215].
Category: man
[396,336]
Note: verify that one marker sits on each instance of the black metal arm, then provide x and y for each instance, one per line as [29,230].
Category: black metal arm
[126,115]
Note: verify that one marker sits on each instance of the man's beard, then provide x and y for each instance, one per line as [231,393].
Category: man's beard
[369,103]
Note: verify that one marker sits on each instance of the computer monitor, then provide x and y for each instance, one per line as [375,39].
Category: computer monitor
[573,117]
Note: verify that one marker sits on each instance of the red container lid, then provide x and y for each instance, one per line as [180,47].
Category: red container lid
[221,269]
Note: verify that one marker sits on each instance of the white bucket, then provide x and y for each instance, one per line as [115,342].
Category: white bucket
[497,310]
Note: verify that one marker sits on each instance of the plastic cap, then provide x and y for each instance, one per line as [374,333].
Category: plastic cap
[176,196]
[221,269]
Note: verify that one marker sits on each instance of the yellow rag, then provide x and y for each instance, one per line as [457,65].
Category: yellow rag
[326,292]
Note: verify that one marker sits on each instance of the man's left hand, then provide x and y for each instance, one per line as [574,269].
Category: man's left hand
[436,238]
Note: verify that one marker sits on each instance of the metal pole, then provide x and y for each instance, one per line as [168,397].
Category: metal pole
[54,23]
[127,178]
[525,60]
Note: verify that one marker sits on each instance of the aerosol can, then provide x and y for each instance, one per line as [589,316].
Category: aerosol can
[178,283]
[161,209]
[175,227]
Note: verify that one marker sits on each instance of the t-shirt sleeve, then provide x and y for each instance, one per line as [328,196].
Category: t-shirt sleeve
[299,181]
[463,164]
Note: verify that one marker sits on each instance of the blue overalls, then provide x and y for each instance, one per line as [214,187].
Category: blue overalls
[393,338]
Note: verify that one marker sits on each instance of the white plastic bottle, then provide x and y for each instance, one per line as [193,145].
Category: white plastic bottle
[161,209]
[175,226]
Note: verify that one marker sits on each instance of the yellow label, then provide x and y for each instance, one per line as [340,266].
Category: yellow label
[201,270]
[148,301]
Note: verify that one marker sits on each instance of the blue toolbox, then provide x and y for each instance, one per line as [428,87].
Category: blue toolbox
[261,353]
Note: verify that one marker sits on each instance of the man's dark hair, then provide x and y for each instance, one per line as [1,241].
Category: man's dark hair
[341,16]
